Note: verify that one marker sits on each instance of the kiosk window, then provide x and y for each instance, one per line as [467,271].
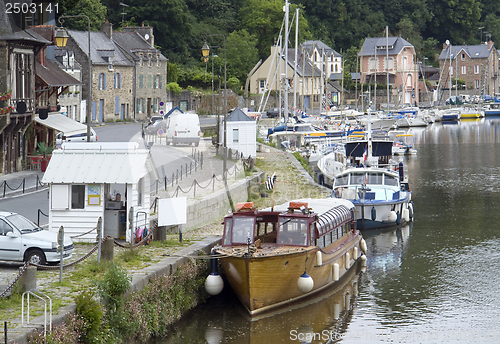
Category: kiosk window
[77,196]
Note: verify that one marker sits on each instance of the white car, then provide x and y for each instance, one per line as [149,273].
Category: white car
[75,136]
[22,240]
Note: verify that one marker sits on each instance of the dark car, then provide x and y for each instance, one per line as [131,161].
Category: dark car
[154,119]
[273,113]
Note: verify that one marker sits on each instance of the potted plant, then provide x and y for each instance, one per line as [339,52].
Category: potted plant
[44,150]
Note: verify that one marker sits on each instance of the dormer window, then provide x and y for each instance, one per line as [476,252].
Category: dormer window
[157,60]
[149,60]
[140,59]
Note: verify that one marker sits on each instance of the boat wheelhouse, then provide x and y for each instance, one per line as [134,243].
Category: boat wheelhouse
[276,257]
[382,197]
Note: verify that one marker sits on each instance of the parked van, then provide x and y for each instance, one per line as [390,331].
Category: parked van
[183,128]
[75,136]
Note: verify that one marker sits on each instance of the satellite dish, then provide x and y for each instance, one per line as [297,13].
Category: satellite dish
[146,37]
[447,42]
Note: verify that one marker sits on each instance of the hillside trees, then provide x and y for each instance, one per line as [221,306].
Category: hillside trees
[94,9]
[264,19]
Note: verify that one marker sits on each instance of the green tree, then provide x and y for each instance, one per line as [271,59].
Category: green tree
[172,72]
[234,84]
[492,24]
[171,21]
[264,18]
[456,21]
[241,53]
[94,9]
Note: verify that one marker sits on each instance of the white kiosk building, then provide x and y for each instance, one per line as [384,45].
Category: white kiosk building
[241,133]
[89,180]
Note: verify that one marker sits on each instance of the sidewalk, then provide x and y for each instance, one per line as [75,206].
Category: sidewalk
[12,184]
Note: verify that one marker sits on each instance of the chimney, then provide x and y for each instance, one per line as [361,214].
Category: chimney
[490,44]
[107,28]
[444,46]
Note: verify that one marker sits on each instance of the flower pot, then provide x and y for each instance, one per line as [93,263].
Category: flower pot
[44,163]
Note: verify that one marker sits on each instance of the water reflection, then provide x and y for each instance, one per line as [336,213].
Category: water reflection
[323,319]
[434,282]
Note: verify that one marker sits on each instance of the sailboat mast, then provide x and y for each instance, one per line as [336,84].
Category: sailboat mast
[295,80]
[286,62]
[387,62]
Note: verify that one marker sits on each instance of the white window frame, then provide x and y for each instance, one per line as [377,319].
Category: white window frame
[464,70]
[476,69]
[236,135]
[476,83]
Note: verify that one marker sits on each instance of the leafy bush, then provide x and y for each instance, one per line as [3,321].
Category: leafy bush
[112,287]
[89,309]
[175,88]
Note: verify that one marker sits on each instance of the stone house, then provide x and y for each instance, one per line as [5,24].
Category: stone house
[313,89]
[477,65]
[112,74]
[150,70]
[393,56]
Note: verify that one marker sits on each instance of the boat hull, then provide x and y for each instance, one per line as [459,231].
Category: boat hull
[371,215]
[268,281]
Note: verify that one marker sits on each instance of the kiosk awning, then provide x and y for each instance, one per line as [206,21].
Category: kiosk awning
[61,123]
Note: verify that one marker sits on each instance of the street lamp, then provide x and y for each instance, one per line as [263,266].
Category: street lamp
[205,50]
[61,41]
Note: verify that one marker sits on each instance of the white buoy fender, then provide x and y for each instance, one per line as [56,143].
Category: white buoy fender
[392,216]
[214,284]
[363,260]
[347,261]
[362,245]
[410,208]
[336,272]
[355,253]
[319,258]
[406,215]
[305,283]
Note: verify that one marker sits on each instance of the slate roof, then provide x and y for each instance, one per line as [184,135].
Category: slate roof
[237,115]
[473,51]
[101,46]
[132,42]
[395,44]
[320,46]
[9,31]
[308,66]
[52,75]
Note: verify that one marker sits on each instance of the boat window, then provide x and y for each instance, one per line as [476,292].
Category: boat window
[243,228]
[390,180]
[292,231]
[374,178]
[358,178]
[342,180]
[227,232]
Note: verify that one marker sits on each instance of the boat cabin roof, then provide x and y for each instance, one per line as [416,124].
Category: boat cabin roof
[295,223]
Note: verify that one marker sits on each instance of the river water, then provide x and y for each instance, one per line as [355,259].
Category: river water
[436,281]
